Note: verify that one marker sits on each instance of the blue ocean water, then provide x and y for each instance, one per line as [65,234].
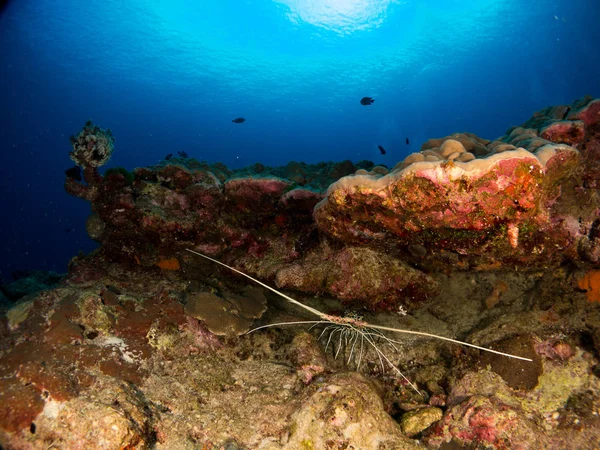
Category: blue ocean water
[170,75]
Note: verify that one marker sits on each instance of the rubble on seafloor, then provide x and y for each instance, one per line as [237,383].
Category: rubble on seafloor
[496,243]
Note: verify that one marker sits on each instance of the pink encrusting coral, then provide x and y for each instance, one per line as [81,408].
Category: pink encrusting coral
[494,196]
[511,199]
[256,194]
[564,132]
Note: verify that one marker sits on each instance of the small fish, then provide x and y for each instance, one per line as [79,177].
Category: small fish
[169,156]
[68,230]
[381,149]
[74,173]
[239,120]
[183,154]
[407,141]
[366,101]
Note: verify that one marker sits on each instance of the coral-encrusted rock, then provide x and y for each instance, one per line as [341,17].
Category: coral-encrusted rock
[498,407]
[228,315]
[564,132]
[559,124]
[350,414]
[461,202]
[20,404]
[415,422]
[487,422]
[378,280]
[301,199]
[256,194]
[493,205]
[468,142]
[589,112]
[308,356]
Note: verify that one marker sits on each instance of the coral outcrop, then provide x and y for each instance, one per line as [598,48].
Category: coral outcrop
[528,198]
[92,148]
[486,201]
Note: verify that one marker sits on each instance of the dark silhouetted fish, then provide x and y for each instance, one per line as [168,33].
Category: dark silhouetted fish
[407,141]
[74,172]
[169,156]
[68,230]
[366,101]
[183,154]
[239,120]
[381,149]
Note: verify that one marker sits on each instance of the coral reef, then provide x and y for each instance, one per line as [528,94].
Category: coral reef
[528,198]
[496,243]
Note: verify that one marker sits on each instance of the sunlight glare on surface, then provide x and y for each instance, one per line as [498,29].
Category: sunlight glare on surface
[340,16]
